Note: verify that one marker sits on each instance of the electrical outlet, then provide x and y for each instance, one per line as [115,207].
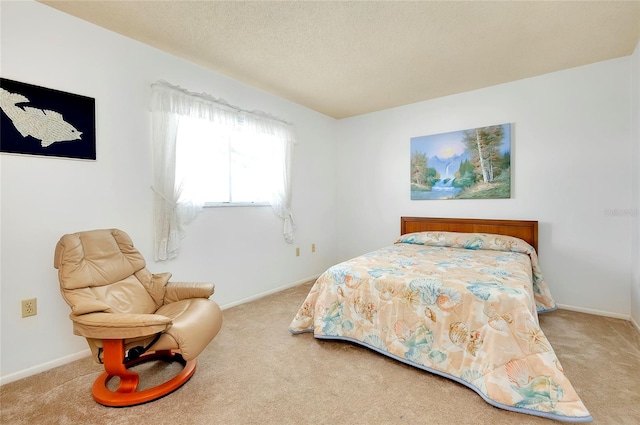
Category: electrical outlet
[29,307]
[297,252]
[313,247]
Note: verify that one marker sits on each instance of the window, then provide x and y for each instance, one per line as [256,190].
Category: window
[207,152]
[226,166]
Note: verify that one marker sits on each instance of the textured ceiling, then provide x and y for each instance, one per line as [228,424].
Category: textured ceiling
[345,58]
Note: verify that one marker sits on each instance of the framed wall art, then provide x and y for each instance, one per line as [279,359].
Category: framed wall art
[41,121]
[465,164]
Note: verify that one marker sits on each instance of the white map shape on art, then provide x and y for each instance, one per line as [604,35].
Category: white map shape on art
[43,124]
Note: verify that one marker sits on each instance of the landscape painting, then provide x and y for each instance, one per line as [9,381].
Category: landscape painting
[465,164]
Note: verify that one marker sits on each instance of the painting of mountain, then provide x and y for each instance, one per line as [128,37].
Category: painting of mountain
[464,164]
[41,121]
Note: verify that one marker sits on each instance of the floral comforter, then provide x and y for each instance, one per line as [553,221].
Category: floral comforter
[461,305]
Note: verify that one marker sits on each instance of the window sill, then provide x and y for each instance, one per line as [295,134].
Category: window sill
[235,204]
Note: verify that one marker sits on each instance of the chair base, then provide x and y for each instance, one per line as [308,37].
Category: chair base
[126,394]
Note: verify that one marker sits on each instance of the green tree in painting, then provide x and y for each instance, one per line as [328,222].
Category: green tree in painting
[465,176]
[432,176]
[505,162]
[483,145]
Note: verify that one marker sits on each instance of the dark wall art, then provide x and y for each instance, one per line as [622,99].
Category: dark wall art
[41,121]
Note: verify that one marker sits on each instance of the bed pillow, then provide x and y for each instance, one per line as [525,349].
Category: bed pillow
[468,241]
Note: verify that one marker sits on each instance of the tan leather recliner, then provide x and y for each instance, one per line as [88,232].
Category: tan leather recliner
[123,310]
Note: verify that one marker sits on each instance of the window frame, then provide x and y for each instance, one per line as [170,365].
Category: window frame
[230,133]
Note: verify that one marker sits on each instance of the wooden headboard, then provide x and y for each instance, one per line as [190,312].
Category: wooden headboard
[526,230]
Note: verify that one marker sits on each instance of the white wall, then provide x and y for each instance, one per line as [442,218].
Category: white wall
[241,249]
[570,162]
[635,179]
[572,135]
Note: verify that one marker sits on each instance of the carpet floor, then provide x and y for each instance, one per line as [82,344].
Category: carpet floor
[256,372]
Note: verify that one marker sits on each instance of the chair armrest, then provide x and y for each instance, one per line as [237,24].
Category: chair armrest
[160,278]
[156,288]
[118,326]
[176,291]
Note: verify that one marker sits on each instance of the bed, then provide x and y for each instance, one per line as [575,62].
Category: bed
[456,297]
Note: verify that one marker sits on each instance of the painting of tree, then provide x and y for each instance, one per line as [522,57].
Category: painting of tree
[474,163]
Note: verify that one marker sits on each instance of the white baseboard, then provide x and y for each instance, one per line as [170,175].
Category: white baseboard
[85,353]
[44,367]
[595,312]
[635,324]
[269,292]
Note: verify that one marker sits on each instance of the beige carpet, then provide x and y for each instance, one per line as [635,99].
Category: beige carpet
[256,372]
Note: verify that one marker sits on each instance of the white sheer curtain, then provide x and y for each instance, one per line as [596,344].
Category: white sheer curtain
[174,206]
